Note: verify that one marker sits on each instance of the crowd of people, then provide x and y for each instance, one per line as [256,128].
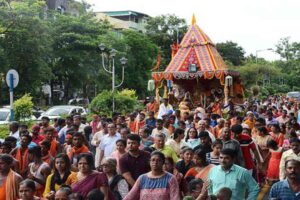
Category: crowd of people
[159,153]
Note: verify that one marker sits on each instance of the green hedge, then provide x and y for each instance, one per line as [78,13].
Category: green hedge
[125,101]
[4,131]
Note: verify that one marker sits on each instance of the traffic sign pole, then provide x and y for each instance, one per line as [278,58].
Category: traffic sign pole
[11,96]
[12,80]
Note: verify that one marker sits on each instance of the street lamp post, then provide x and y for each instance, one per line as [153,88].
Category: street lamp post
[256,56]
[260,50]
[123,61]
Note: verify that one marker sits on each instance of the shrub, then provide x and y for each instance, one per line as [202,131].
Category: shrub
[125,101]
[23,107]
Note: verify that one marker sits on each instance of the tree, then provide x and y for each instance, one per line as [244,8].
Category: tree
[25,43]
[141,53]
[76,57]
[231,52]
[162,30]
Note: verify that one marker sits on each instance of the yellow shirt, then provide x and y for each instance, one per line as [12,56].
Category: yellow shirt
[288,155]
[48,184]
[168,152]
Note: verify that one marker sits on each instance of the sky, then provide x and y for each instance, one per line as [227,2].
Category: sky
[253,24]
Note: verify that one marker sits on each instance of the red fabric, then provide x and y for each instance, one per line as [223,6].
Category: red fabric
[131,125]
[273,168]
[37,139]
[247,144]
[77,151]
[53,148]
[278,138]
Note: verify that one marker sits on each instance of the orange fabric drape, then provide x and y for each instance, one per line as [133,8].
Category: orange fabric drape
[138,125]
[78,151]
[53,148]
[11,188]
[22,160]
[47,159]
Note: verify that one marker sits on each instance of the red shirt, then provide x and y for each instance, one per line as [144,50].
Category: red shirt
[247,144]
[38,139]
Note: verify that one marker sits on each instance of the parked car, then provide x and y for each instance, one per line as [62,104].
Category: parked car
[58,111]
[5,116]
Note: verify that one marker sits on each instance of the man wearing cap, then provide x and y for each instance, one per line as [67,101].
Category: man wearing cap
[164,108]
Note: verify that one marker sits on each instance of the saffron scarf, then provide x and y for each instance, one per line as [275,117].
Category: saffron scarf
[22,160]
[11,186]
[47,158]
[77,151]
[53,150]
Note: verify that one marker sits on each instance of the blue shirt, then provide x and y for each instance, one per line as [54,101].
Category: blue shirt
[151,123]
[282,191]
[32,144]
[238,179]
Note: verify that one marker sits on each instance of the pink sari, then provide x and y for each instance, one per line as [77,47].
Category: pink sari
[93,181]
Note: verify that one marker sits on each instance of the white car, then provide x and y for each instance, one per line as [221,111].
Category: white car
[5,116]
[58,111]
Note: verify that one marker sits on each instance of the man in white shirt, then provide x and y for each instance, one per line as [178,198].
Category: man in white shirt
[164,108]
[283,118]
[14,130]
[77,122]
[160,129]
[108,142]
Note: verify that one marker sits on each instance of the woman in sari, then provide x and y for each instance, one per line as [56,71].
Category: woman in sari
[87,178]
[276,134]
[262,139]
[62,170]
[202,167]
[156,184]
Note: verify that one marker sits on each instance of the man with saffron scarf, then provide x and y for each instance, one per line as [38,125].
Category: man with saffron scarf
[46,125]
[9,180]
[45,147]
[139,123]
[21,154]
[55,147]
[77,149]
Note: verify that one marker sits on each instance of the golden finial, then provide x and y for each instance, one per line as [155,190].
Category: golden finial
[193,20]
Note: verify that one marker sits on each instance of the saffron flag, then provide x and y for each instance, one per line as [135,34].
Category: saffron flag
[157,62]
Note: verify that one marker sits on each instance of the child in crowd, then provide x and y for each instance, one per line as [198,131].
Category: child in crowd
[213,157]
[187,162]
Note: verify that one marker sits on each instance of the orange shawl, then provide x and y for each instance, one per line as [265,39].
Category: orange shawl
[22,160]
[11,188]
[53,148]
[77,151]
[47,159]
[203,174]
